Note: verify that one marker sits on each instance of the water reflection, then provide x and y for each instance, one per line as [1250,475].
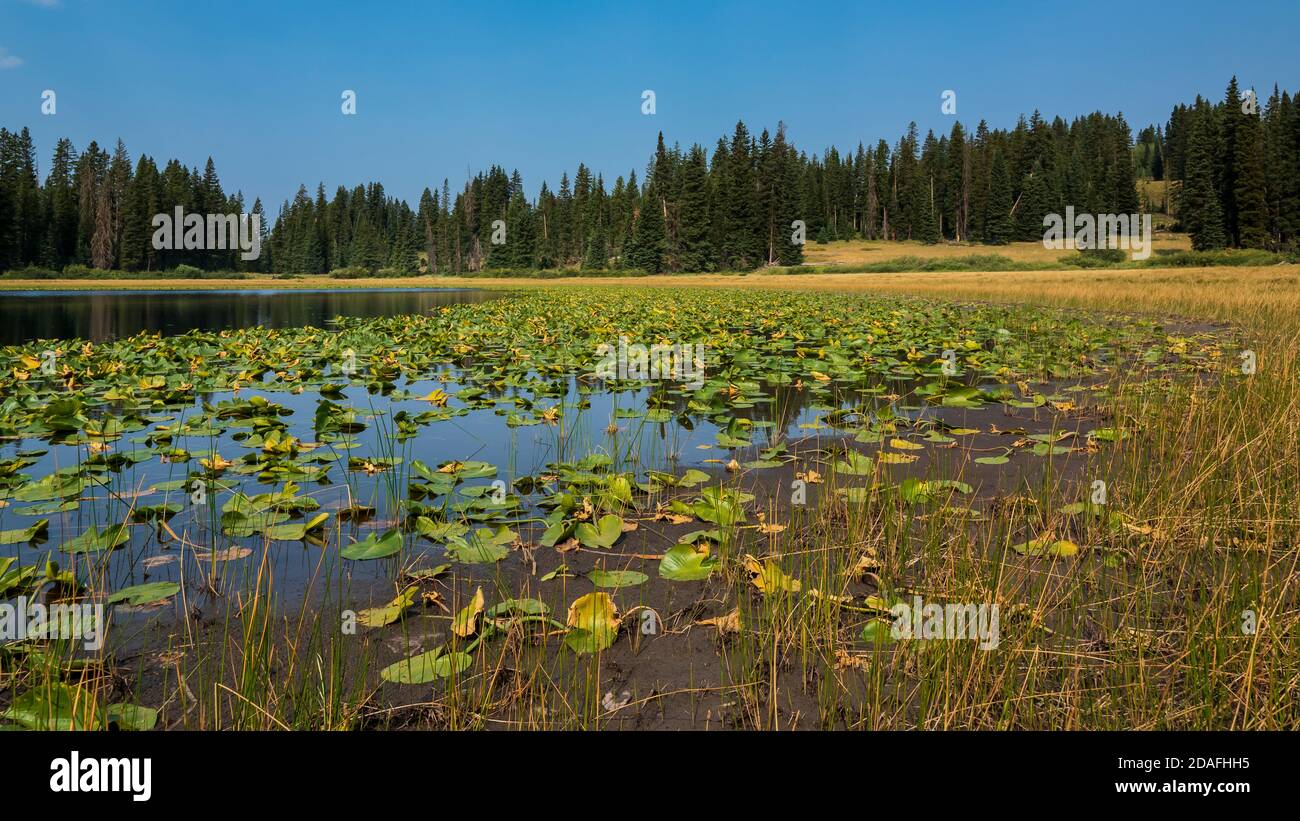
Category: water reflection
[103,315]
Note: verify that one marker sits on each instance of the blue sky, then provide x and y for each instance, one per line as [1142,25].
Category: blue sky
[446,89]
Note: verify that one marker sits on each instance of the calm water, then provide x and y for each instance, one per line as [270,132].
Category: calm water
[101,315]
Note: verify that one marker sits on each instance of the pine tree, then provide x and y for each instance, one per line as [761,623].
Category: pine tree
[263,263]
[1235,176]
[10,253]
[1199,211]
[957,180]
[597,221]
[1033,205]
[1125,191]
[998,226]
[521,239]
[597,256]
[695,245]
[927,216]
[142,204]
[742,240]
[649,242]
[61,199]
[788,197]
[366,251]
[1230,117]
[1249,190]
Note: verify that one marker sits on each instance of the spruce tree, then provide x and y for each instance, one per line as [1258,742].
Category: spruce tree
[927,216]
[1249,192]
[788,200]
[1033,205]
[693,239]
[743,240]
[1230,117]
[956,189]
[649,242]
[366,251]
[1199,211]
[998,226]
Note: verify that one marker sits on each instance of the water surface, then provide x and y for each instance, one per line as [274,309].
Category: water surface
[101,315]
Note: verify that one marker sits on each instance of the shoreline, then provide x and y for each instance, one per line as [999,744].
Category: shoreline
[780,281]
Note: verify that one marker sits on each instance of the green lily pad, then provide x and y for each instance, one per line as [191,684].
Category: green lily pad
[374,546]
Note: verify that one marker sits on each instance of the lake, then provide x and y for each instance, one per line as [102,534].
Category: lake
[102,315]
[182,439]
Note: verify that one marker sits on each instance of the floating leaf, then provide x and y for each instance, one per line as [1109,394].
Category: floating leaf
[439,531]
[616,578]
[517,607]
[374,546]
[601,535]
[132,717]
[425,667]
[26,534]
[878,632]
[482,547]
[145,593]
[296,531]
[855,464]
[389,613]
[685,563]
[1047,546]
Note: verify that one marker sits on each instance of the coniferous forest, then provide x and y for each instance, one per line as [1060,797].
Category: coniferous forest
[1235,182]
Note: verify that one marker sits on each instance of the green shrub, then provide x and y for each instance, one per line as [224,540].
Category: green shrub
[33,272]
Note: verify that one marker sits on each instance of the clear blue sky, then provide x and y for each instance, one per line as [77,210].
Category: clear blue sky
[446,89]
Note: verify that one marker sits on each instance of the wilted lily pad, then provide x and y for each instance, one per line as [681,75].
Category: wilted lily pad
[592,623]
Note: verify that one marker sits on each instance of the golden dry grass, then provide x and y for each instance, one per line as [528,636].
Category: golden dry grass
[862,252]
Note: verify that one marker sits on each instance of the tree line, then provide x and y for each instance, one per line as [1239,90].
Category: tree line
[1236,177]
[1237,164]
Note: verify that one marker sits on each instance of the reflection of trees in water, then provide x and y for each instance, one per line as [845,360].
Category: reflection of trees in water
[103,316]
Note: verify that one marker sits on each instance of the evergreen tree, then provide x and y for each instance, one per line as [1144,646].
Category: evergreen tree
[998,226]
[142,204]
[957,181]
[1199,211]
[1249,192]
[649,242]
[742,241]
[927,217]
[788,198]
[366,251]
[695,245]
[1034,204]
